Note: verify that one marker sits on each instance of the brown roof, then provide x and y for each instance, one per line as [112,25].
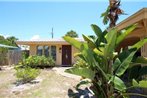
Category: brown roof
[48,41]
[136,17]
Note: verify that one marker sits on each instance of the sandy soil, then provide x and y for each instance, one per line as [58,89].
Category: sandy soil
[50,85]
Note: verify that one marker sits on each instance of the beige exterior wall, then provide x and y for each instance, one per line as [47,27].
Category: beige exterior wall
[59,54]
[33,51]
[74,50]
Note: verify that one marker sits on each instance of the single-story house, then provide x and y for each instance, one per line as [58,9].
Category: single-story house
[59,49]
[63,53]
[140,32]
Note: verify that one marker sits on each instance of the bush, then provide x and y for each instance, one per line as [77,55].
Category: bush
[26,74]
[80,63]
[39,61]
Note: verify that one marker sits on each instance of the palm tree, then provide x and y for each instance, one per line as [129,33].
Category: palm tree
[112,13]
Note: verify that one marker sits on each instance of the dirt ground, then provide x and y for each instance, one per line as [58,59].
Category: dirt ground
[52,85]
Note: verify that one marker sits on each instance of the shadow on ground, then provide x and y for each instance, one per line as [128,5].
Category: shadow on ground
[80,93]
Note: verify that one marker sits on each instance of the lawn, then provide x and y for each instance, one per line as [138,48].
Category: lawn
[52,85]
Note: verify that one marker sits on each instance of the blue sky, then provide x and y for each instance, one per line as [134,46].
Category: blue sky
[34,19]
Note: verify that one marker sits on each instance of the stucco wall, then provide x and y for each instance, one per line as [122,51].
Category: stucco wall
[74,50]
[33,51]
[59,55]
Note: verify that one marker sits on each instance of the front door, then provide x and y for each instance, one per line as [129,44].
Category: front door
[66,54]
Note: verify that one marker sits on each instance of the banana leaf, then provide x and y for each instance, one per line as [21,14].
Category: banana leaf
[77,44]
[84,72]
[122,36]
[110,46]
[118,83]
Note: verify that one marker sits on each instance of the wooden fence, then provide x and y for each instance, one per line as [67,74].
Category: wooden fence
[3,58]
[14,56]
[10,57]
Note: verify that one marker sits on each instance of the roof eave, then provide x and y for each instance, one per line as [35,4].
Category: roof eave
[138,16]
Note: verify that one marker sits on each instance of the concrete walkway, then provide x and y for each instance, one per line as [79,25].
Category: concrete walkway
[60,70]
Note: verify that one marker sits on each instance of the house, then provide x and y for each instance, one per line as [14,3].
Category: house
[140,32]
[63,53]
[59,49]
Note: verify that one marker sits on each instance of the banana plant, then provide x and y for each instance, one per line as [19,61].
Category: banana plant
[105,66]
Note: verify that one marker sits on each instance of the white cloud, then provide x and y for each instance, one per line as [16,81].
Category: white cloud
[35,37]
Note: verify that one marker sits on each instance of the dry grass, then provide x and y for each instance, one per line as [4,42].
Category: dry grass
[52,86]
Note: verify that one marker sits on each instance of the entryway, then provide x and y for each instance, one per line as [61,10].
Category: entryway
[66,55]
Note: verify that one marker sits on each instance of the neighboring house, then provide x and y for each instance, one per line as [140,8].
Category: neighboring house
[59,49]
[139,33]
[63,53]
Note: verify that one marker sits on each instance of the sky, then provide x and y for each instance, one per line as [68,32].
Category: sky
[34,19]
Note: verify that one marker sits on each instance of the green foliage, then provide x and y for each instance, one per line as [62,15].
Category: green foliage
[8,41]
[141,84]
[105,16]
[125,33]
[39,61]
[104,66]
[80,63]
[3,56]
[3,51]
[118,84]
[83,82]
[75,43]
[12,40]
[112,13]
[84,72]
[72,34]
[26,74]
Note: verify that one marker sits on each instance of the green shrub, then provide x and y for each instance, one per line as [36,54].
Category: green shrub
[26,74]
[39,61]
[80,63]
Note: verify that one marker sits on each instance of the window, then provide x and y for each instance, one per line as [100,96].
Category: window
[40,50]
[53,52]
[46,51]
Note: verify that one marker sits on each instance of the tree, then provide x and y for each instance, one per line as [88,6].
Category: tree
[1,37]
[72,34]
[8,41]
[12,40]
[4,41]
[112,13]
